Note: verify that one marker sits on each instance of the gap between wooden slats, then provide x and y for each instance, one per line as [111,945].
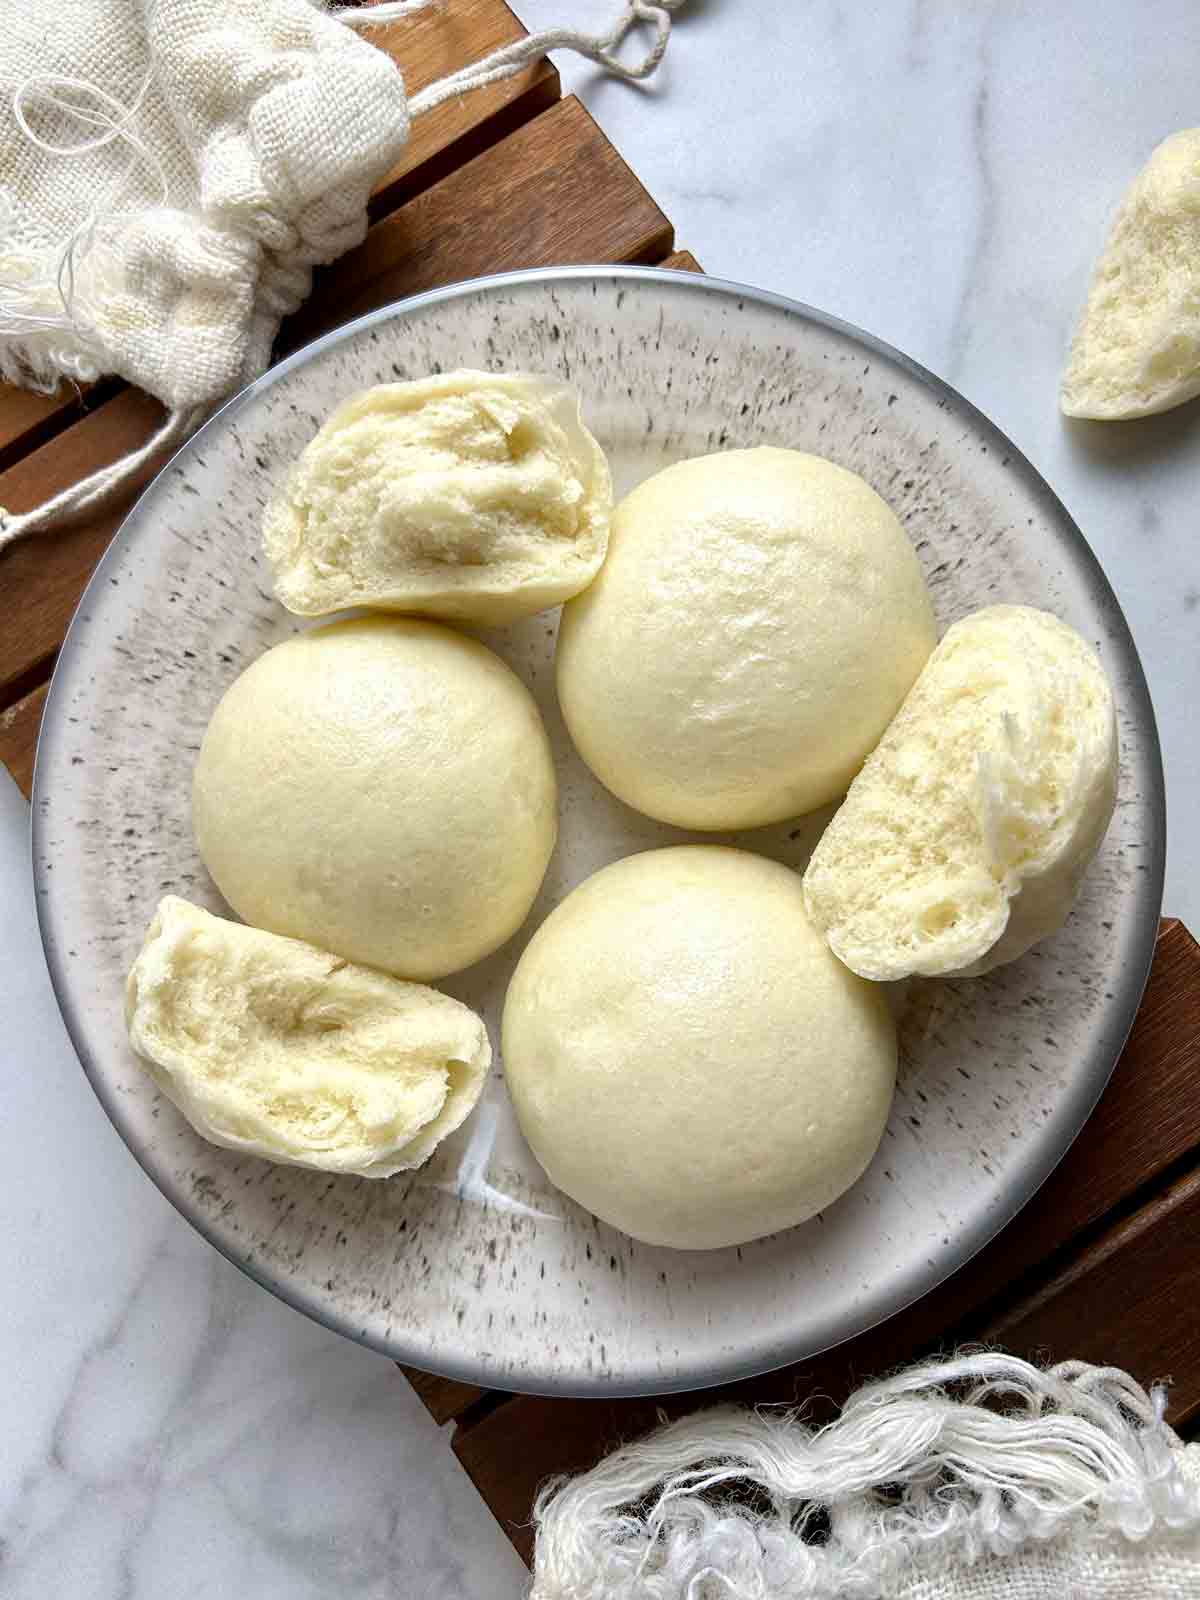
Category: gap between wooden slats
[555,191]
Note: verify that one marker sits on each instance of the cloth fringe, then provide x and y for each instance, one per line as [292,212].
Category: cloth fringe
[975,1457]
[40,341]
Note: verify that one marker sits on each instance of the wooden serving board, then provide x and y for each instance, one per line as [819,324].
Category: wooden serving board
[1105,1262]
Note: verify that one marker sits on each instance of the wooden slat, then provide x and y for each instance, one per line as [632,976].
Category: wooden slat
[554,192]
[41,579]
[1148,1120]
[428,46]
[21,411]
[510,1453]
[28,419]
[1131,1301]
[444,1399]
[682,261]
[18,737]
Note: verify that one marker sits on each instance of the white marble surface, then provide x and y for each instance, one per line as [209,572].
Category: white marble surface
[167,1427]
[940,174]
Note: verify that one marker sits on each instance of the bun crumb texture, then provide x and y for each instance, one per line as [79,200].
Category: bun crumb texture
[272,1047]
[964,839]
[1136,350]
[473,496]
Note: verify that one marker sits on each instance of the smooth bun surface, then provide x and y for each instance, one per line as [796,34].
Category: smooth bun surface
[382,788]
[687,1059]
[272,1047]
[964,839]
[758,620]
[475,496]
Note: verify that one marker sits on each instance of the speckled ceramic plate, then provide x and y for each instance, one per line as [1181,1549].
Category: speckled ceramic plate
[475,1266]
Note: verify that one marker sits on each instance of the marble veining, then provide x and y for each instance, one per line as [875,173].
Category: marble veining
[168,1428]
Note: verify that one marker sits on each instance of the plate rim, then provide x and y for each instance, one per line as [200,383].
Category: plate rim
[1010,1201]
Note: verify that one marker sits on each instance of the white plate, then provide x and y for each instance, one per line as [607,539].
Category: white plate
[475,1266]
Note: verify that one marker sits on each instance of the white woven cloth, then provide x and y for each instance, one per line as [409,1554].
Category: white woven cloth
[230,146]
[982,1478]
[172,170]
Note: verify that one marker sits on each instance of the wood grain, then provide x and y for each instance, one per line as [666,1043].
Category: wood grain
[428,46]
[553,192]
[42,578]
[682,261]
[1130,1301]
[1148,1120]
[443,1398]
[18,737]
[28,419]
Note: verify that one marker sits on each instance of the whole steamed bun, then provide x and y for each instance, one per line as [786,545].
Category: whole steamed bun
[759,619]
[687,1059]
[274,1048]
[475,496]
[964,839]
[381,788]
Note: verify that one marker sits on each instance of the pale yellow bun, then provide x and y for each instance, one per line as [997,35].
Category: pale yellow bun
[1136,349]
[964,839]
[687,1059]
[382,788]
[759,619]
[278,1049]
[474,496]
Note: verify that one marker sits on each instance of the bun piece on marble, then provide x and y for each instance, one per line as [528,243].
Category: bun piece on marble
[382,788]
[759,618]
[475,496]
[1136,349]
[687,1059]
[278,1049]
[964,839]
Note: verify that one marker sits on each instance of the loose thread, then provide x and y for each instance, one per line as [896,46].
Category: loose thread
[99,489]
[39,300]
[510,59]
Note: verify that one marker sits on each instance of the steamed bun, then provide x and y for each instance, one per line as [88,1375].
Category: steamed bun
[1137,347]
[964,839]
[759,619]
[382,788]
[277,1049]
[687,1059]
[474,496]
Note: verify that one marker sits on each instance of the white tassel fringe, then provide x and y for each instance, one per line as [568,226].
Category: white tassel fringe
[922,1463]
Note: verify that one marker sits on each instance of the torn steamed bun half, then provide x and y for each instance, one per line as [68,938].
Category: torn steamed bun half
[274,1048]
[964,839]
[476,497]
